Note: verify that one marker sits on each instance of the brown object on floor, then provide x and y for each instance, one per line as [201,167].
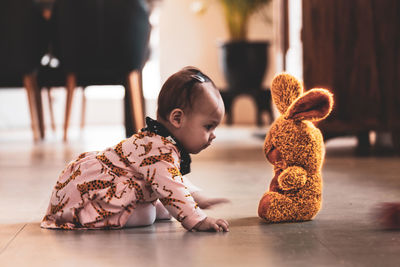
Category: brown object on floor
[388,215]
[295,147]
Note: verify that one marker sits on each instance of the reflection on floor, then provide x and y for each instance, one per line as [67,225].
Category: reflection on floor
[343,233]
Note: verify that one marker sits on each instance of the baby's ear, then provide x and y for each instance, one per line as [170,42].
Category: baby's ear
[314,105]
[284,90]
[175,117]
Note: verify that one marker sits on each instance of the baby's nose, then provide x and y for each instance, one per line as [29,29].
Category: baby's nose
[212,136]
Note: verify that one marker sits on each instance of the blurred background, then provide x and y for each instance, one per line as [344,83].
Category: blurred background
[181,33]
[70,64]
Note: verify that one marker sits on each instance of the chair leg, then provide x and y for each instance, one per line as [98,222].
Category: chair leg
[70,86]
[142,100]
[136,99]
[52,121]
[128,122]
[39,106]
[30,91]
[83,108]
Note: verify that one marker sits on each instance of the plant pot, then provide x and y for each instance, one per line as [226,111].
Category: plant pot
[244,64]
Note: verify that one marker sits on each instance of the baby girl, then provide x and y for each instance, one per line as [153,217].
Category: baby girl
[141,179]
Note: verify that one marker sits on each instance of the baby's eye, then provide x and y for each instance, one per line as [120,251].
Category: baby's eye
[208,127]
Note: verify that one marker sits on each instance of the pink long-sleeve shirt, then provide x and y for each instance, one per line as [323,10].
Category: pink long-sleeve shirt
[101,189]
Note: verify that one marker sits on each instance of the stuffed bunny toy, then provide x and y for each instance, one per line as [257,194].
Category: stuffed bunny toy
[295,147]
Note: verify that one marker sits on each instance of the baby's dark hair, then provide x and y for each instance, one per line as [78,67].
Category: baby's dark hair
[180,91]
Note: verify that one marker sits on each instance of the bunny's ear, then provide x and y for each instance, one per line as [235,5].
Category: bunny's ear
[314,105]
[284,90]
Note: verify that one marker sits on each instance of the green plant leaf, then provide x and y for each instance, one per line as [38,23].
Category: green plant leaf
[237,14]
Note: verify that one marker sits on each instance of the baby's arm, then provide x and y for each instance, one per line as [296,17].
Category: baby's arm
[208,224]
[203,201]
[161,170]
[292,178]
[206,202]
[178,201]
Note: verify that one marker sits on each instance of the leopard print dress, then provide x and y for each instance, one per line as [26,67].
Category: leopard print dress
[101,189]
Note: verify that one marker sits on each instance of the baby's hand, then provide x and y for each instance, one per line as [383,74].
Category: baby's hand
[211,224]
[206,203]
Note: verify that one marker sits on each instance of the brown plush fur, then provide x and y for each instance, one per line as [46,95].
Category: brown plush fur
[296,149]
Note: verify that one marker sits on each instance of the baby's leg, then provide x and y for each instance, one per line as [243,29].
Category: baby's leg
[161,212]
[144,214]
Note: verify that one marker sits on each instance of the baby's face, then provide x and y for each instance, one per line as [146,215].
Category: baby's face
[197,131]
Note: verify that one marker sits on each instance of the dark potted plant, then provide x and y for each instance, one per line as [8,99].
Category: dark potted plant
[243,62]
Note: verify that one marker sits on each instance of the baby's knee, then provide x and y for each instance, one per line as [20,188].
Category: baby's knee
[142,215]
[161,212]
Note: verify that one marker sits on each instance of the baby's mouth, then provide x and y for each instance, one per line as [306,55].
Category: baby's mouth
[207,145]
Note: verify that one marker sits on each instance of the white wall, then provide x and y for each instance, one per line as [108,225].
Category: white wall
[104,106]
[187,38]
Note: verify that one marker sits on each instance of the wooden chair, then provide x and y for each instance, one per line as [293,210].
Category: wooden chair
[23,33]
[103,42]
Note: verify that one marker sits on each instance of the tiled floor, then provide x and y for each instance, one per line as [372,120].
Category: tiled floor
[343,233]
